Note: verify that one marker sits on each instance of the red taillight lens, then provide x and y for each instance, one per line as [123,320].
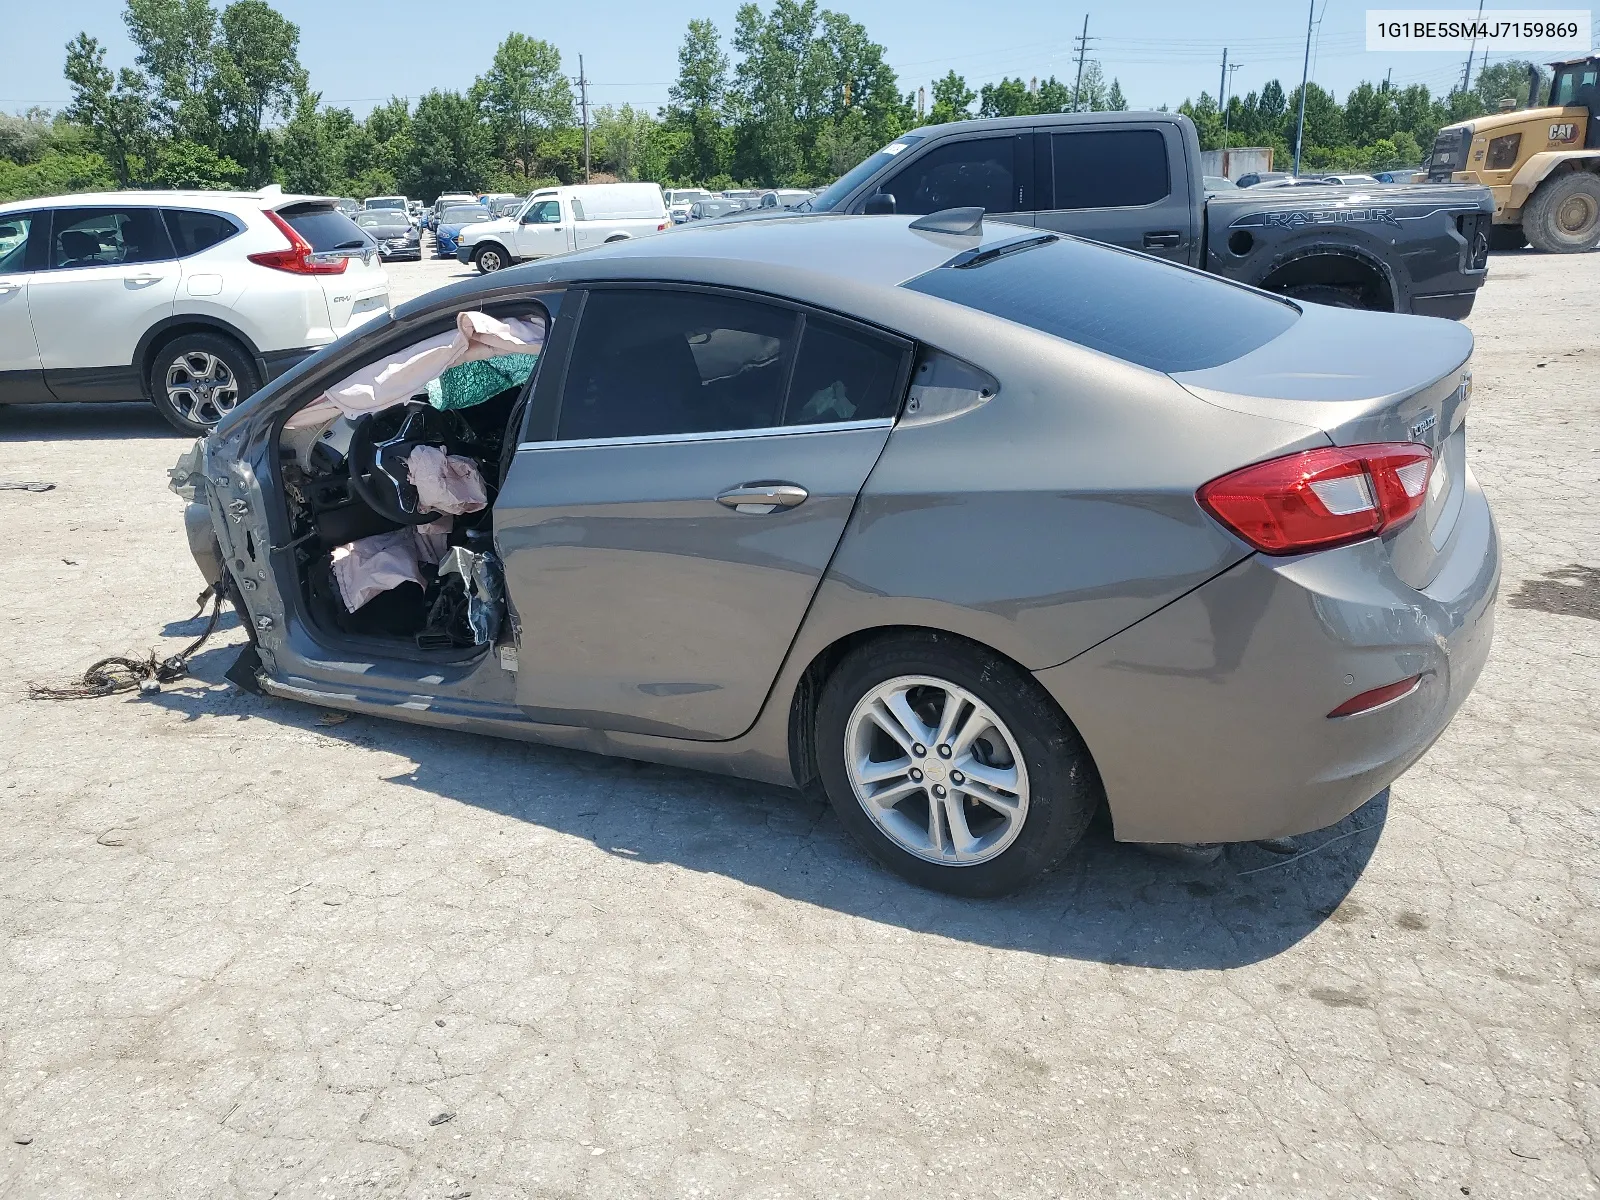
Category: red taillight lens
[1321,498]
[1377,697]
[299,258]
[662,226]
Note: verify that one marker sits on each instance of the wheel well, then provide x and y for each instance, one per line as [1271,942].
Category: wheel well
[489,244]
[803,705]
[167,334]
[1334,268]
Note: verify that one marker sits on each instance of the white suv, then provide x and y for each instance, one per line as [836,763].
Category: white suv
[192,300]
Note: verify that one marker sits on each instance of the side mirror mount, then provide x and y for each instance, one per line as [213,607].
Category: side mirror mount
[879,204]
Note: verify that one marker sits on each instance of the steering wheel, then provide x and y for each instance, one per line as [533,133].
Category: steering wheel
[378,472]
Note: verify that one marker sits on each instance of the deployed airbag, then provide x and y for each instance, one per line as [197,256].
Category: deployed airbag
[392,381]
[446,483]
[369,566]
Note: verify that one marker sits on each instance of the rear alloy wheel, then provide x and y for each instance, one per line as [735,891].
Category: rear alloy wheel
[1564,215]
[200,378]
[489,259]
[951,765]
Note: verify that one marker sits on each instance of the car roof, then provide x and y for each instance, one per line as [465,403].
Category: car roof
[273,196]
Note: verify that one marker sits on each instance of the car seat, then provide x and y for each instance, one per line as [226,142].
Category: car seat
[77,248]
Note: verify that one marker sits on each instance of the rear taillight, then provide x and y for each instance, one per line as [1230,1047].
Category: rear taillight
[1378,697]
[1321,498]
[662,226]
[299,258]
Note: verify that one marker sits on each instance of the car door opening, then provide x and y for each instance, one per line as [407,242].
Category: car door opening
[390,477]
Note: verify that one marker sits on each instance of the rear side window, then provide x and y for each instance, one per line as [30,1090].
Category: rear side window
[16,229]
[105,237]
[1109,168]
[325,228]
[842,375]
[1137,308]
[974,173]
[193,231]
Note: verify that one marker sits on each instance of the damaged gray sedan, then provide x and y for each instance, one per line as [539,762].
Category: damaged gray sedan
[976,527]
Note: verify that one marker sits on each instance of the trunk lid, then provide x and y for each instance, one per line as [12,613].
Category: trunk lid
[1365,377]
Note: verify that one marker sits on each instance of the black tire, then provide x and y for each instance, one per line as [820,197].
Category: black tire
[1507,237]
[1564,215]
[194,409]
[1064,787]
[1323,293]
[490,258]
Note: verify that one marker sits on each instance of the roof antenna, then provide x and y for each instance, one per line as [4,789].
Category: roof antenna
[961,221]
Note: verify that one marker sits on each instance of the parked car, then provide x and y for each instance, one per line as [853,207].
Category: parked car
[507,207]
[706,210]
[1132,179]
[392,202]
[1211,557]
[191,300]
[347,205]
[556,220]
[452,221]
[396,236]
[1348,180]
[793,198]
[1417,176]
[414,211]
[447,200]
[1216,183]
[1252,178]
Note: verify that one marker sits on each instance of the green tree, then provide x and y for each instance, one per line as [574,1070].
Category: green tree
[526,97]
[697,102]
[450,147]
[1008,98]
[952,100]
[115,109]
[175,45]
[308,156]
[1115,100]
[1508,81]
[259,76]
[623,142]
[180,163]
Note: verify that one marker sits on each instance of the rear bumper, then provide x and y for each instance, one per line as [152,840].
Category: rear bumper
[1454,305]
[1207,719]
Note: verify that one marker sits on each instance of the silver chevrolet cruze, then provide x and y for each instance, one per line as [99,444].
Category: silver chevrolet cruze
[973,526]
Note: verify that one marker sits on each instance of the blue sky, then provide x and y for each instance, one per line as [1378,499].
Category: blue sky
[1162,50]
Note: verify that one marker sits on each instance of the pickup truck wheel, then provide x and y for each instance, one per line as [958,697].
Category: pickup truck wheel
[1323,293]
[489,259]
[1564,215]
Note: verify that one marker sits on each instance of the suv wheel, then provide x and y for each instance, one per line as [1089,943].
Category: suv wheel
[951,766]
[1564,215]
[1323,293]
[198,378]
[489,259]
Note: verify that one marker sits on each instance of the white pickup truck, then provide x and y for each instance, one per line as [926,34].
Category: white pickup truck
[561,219]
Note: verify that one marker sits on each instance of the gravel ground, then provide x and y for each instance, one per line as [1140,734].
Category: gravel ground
[253,951]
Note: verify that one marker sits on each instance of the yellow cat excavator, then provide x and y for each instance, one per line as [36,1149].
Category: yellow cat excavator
[1542,163]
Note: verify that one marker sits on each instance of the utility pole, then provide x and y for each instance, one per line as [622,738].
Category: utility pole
[922,102]
[1388,77]
[1222,83]
[1305,76]
[1227,92]
[1083,46]
[1466,76]
[583,101]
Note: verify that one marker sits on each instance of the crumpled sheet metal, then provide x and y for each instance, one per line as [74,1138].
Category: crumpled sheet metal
[392,381]
[485,580]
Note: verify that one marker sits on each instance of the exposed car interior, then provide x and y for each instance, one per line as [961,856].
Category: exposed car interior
[390,478]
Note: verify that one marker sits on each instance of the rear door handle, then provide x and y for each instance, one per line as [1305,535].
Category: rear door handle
[7,288]
[145,278]
[760,499]
[1166,237]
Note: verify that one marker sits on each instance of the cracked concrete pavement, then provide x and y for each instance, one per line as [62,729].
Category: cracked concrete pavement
[249,952]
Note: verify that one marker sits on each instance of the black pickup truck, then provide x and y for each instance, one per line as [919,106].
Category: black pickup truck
[1133,179]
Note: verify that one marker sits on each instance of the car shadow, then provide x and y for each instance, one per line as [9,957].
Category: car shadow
[84,422]
[1109,902]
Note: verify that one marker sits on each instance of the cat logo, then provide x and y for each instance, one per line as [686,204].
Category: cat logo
[1567,131]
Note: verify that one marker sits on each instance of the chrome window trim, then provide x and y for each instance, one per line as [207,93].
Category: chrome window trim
[657,439]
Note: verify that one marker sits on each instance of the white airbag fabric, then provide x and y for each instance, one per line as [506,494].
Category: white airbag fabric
[446,483]
[392,381]
[369,566]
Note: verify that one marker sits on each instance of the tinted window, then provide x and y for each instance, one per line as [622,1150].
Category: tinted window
[99,237]
[193,232]
[546,212]
[661,362]
[326,228]
[966,174]
[14,231]
[1137,308]
[842,375]
[465,215]
[859,174]
[1112,168]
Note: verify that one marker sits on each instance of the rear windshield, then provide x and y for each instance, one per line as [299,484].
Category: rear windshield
[1140,309]
[325,228]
